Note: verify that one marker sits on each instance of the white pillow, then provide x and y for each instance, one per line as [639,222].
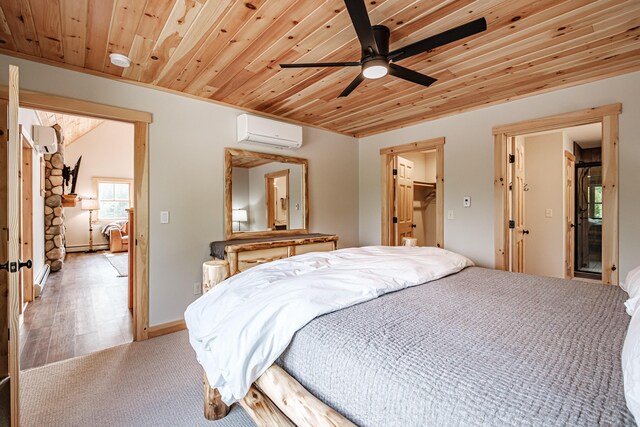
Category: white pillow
[632,286]
[631,366]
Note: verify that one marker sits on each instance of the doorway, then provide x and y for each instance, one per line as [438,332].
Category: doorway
[543,199]
[277,191]
[516,235]
[82,234]
[413,193]
[10,217]
[589,209]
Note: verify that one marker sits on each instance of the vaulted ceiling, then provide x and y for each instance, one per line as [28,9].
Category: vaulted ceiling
[73,127]
[229,51]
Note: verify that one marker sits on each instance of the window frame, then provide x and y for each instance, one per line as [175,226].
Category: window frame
[107,180]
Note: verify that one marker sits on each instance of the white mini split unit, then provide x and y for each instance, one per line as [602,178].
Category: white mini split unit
[45,139]
[272,133]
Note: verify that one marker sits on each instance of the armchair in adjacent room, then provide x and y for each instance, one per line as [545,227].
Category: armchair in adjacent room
[119,238]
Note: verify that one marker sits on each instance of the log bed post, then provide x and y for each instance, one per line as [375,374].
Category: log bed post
[213,272]
[214,407]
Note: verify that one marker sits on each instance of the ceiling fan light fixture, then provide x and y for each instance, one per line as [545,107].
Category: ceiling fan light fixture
[375,68]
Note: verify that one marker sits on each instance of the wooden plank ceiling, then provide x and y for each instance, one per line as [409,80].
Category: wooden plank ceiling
[73,127]
[228,51]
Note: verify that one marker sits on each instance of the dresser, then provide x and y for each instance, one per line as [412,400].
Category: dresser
[242,254]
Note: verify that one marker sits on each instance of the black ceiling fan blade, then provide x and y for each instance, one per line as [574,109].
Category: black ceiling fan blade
[360,19]
[449,36]
[410,75]
[354,84]
[321,64]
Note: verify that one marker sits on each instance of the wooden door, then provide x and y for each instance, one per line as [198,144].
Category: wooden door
[10,252]
[26,232]
[569,209]
[404,198]
[277,198]
[518,191]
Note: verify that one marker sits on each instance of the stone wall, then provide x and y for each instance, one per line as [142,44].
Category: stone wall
[54,230]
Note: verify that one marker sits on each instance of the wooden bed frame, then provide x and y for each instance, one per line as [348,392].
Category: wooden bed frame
[275,399]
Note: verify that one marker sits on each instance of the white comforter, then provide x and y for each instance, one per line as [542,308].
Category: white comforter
[240,327]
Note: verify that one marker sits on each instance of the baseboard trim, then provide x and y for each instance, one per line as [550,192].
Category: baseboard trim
[166,328]
[85,248]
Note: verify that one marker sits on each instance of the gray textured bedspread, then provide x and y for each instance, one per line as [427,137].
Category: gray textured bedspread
[480,347]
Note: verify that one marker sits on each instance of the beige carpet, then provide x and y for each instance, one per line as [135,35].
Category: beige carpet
[120,262]
[152,383]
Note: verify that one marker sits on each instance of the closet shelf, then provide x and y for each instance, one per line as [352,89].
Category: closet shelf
[424,184]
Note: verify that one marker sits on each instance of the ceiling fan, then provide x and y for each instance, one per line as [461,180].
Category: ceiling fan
[376,59]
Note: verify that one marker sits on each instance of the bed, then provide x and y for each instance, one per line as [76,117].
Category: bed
[477,347]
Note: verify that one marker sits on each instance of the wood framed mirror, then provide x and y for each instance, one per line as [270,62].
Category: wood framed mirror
[264,194]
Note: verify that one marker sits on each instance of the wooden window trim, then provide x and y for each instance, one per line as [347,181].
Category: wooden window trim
[607,115]
[96,190]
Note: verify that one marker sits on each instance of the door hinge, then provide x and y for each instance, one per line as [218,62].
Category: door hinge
[395,219]
[395,172]
[512,158]
[9,334]
[512,224]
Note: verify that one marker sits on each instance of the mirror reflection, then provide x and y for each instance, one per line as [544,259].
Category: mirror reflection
[267,194]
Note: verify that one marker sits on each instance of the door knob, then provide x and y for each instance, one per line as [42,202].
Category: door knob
[573,226]
[525,231]
[413,226]
[4,266]
[27,264]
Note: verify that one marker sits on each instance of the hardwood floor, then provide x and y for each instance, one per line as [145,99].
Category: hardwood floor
[83,309]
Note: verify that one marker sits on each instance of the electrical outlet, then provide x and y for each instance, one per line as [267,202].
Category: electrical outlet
[164,217]
[466,201]
[450,215]
[197,288]
[548,213]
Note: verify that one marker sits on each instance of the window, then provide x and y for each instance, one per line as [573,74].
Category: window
[595,202]
[115,198]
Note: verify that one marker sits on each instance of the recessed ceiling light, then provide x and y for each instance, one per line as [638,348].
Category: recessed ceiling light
[120,60]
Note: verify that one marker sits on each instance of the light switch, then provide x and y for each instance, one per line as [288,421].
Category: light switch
[466,201]
[164,217]
[450,215]
[548,213]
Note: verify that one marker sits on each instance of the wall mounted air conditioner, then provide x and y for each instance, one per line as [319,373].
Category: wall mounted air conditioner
[258,130]
[45,139]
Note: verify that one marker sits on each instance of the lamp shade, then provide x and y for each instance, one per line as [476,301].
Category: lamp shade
[89,205]
[239,215]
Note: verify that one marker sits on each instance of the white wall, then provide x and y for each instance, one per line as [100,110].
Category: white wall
[469,165]
[107,152]
[544,177]
[27,118]
[186,154]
